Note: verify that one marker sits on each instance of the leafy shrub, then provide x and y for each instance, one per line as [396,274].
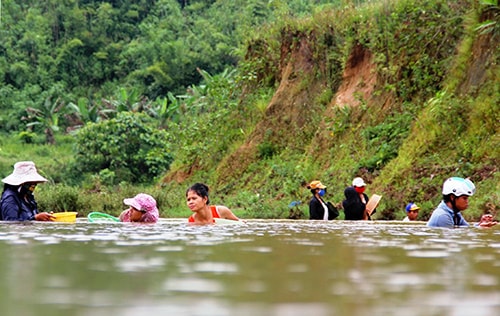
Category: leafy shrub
[385,138]
[266,150]
[58,198]
[128,146]
[27,137]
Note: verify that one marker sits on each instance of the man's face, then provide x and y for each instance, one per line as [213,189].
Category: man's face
[462,202]
[412,215]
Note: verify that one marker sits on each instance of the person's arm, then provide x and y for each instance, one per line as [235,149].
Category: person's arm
[121,217]
[44,216]
[225,212]
[486,220]
[315,209]
[10,209]
[367,215]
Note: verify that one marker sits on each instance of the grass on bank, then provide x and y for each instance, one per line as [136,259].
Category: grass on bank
[266,201]
[57,195]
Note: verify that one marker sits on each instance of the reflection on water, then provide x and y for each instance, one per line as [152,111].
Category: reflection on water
[282,268]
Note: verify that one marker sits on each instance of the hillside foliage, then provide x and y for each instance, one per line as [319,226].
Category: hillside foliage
[255,98]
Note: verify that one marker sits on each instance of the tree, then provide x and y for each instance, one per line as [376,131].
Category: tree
[129,146]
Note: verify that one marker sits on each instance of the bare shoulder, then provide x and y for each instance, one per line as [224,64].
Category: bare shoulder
[225,212]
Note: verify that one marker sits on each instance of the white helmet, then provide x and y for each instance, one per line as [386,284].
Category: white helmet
[458,186]
[358,182]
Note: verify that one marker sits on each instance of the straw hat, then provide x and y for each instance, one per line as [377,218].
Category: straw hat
[24,171]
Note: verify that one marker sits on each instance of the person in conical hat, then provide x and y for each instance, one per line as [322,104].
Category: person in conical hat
[18,202]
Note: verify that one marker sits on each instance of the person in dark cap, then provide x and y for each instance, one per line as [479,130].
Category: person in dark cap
[411,212]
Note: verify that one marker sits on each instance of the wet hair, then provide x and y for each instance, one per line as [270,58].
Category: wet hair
[200,189]
[447,198]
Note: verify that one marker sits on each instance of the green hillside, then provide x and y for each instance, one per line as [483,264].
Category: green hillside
[402,93]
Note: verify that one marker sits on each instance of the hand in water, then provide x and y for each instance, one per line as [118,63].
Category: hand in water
[44,216]
[487,221]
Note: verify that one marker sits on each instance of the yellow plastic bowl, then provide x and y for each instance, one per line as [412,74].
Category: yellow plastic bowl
[66,217]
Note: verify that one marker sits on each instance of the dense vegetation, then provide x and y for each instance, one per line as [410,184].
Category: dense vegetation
[256,98]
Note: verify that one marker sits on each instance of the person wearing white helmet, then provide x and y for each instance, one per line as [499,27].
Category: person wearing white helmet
[456,192]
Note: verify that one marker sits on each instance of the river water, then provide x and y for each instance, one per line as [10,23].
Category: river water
[279,268]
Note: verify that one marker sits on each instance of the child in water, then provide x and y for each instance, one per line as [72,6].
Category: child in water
[142,209]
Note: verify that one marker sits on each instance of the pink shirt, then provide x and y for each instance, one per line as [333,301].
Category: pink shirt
[148,217]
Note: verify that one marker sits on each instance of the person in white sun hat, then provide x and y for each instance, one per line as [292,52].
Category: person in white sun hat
[18,202]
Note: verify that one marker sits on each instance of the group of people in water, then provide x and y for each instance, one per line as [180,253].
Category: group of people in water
[354,205]
[456,192]
[18,203]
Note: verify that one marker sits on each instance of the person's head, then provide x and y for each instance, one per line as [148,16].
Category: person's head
[25,176]
[412,211]
[197,196]
[456,192]
[317,187]
[350,194]
[141,205]
[359,185]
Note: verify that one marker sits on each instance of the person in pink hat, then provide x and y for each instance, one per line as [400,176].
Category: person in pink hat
[142,209]
[18,202]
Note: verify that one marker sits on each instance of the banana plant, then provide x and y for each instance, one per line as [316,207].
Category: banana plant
[126,101]
[86,113]
[47,117]
[165,110]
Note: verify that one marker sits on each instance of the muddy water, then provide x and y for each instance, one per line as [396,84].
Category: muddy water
[261,268]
